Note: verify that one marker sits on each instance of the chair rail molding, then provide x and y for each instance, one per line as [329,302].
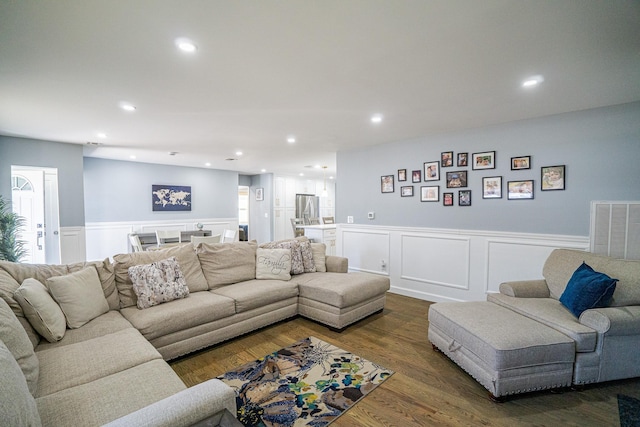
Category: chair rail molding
[448,264]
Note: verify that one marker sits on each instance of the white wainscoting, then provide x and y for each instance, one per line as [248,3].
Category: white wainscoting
[448,265]
[72,245]
[105,239]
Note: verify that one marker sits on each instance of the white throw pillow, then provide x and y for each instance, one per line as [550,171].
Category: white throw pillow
[79,295]
[44,314]
[273,264]
[158,282]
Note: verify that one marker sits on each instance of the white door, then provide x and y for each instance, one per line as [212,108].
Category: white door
[28,202]
[51,217]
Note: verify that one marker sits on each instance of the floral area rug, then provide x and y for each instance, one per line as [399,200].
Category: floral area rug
[310,383]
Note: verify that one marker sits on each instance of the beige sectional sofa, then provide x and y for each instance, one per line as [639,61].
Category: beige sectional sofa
[489,338]
[111,366]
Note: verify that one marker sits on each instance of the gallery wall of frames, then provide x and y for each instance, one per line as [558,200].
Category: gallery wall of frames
[446,180]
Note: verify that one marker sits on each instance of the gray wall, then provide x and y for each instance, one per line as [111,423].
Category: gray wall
[260,220]
[600,148]
[67,158]
[121,191]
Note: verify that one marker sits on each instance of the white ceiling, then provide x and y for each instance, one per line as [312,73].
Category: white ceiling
[318,70]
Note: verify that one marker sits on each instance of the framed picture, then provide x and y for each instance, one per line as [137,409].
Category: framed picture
[457,179]
[446,159]
[170,198]
[492,187]
[259,194]
[431,171]
[522,162]
[386,184]
[552,178]
[416,176]
[406,191]
[485,160]
[464,198]
[402,174]
[447,199]
[519,190]
[430,193]
[463,159]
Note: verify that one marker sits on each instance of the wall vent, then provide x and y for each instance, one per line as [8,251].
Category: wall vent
[615,229]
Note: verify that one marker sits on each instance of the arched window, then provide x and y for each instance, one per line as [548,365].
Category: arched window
[20,183]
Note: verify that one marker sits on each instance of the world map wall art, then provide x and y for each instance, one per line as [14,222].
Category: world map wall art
[171,198]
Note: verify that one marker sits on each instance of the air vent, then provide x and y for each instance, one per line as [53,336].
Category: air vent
[230,159]
[93,144]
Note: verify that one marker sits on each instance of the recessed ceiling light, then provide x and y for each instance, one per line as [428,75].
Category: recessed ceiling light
[533,81]
[291,139]
[238,153]
[101,135]
[301,174]
[263,170]
[127,107]
[376,118]
[331,177]
[207,164]
[132,157]
[186,45]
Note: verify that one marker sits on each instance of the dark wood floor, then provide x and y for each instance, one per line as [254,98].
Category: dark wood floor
[427,388]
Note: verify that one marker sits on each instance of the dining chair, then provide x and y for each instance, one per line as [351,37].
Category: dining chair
[229,236]
[296,224]
[168,236]
[314,221]
[328,220]
[196,240]
[134,240]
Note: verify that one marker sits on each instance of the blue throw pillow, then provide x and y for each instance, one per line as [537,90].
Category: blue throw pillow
[587,289]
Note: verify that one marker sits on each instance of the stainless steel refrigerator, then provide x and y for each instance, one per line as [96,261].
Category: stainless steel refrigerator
[307,206]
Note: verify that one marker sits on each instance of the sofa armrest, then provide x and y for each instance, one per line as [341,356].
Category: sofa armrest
[336,264]
[613,320]
[525,289]
[205,401]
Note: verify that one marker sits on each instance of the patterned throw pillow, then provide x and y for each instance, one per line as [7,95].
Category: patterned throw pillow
[307,254]
[297,266]
[158,282]
[273,264]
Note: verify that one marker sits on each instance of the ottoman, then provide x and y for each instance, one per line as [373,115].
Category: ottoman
[504,351]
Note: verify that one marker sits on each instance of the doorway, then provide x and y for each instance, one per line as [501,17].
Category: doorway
[35,197]
[243,211]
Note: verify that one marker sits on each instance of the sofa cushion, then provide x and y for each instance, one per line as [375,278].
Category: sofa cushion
[273,264]
[72,365]
[307,254]
[17,405]
[79,295]
[319,251]
[342,290]
[552,313]
[258,293]
[41,310]
[18,343]
[107,276]
[108,398]
[297,265]
[203,307]
[587,289]
[158,282]
[108,323]
[226,263]
[561,264]
[185,256]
